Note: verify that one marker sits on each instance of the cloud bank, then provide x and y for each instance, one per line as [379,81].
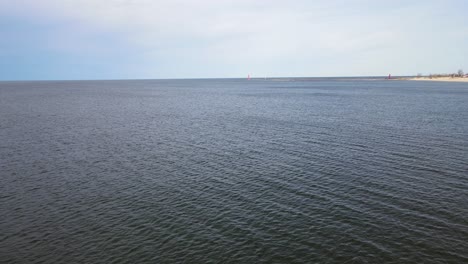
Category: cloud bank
[91,39]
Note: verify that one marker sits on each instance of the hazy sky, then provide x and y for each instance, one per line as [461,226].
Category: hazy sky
[117,39]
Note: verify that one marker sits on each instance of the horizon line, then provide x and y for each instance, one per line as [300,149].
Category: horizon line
[207,78]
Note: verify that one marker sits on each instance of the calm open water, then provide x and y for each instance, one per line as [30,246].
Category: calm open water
[234,171]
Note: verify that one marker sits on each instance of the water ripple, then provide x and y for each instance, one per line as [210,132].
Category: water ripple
[230,171]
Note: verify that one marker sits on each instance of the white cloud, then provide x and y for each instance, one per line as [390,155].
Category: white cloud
[254,34]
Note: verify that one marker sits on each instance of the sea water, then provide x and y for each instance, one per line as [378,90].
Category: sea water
[234,171]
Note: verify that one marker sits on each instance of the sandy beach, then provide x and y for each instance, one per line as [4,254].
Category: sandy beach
[439,79]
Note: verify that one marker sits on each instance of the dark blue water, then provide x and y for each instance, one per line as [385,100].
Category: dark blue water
[234,171]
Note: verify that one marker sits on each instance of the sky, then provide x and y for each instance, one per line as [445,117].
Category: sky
[154,39]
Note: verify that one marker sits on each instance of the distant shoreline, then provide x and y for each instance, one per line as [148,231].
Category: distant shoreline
[436,79]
